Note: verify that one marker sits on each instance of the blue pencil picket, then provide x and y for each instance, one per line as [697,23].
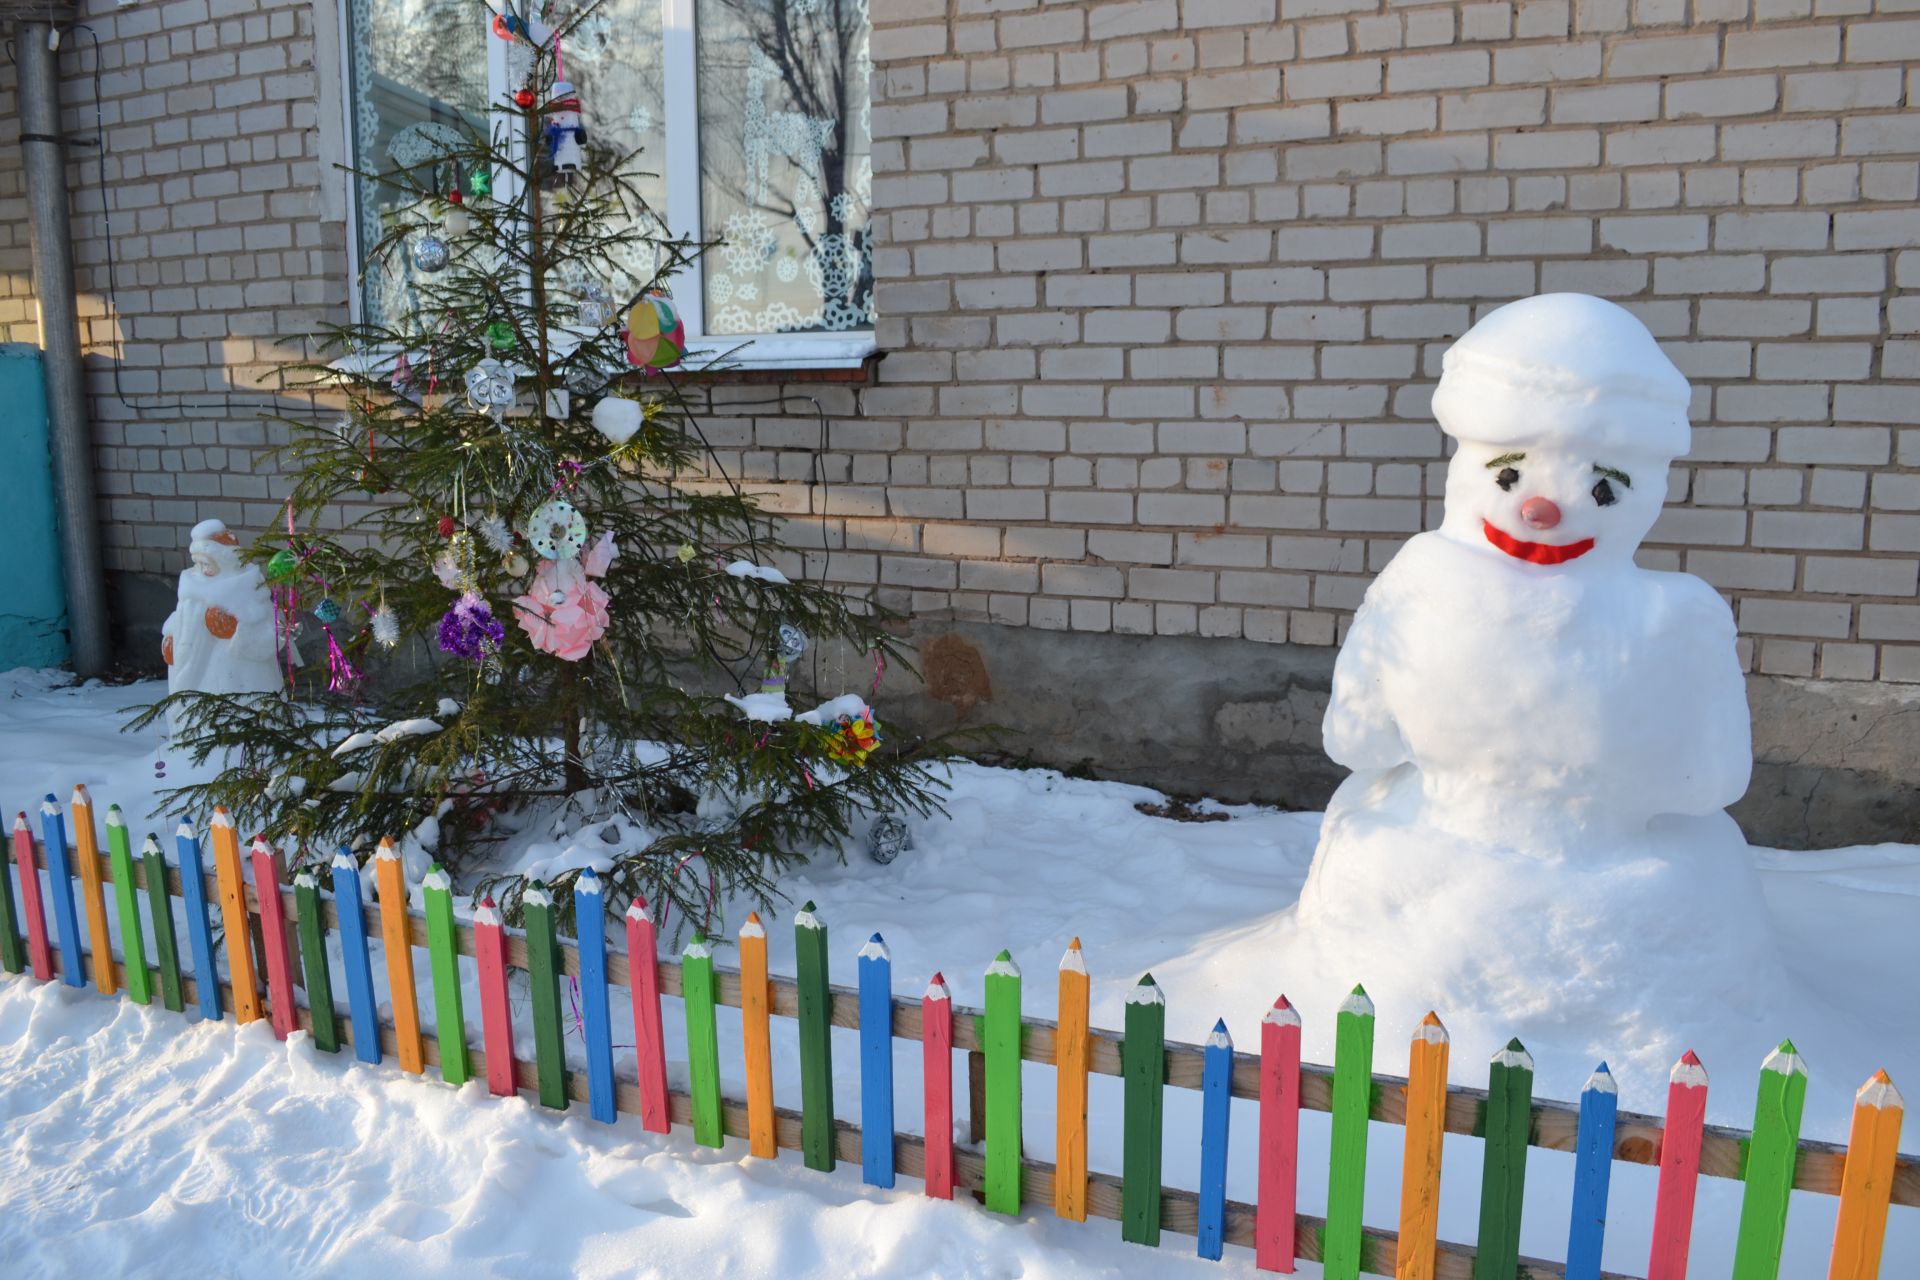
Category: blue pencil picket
[354,958]
[590,931]
[66,918]
[876,1063]
[1592,1172]
[193,892]
[1216,1079]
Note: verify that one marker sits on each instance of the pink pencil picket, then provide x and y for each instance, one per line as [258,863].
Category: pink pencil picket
[1273,1215]
[649,1041]
[496,1023]
[936,1039]
[1679,1169]
[30,904]
[273,936]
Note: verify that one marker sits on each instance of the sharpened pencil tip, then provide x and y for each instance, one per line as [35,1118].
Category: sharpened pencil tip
[1074,945]
[940,979]
[1004,953]
[876,937]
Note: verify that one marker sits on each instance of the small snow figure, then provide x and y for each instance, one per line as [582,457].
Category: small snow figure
[220,636]
[1543,735]
[564,131]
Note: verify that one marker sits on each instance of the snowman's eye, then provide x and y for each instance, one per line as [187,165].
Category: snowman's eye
[1508,478]
[1603,492]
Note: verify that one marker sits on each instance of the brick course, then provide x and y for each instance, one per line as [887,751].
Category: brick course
[1164,289]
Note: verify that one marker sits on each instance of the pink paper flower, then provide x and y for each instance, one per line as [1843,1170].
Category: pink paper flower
[564,611]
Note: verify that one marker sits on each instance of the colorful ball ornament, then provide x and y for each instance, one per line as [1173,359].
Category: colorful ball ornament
[430,254]
[556,530]
[656,338]
[328,612]
[283,566]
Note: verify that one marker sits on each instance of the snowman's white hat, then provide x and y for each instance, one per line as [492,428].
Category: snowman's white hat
[1567,369]
[213,531]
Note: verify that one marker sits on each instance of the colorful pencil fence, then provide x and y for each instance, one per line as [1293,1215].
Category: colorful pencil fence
[1869,1175]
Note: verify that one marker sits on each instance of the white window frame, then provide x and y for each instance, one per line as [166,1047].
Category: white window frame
[685,196]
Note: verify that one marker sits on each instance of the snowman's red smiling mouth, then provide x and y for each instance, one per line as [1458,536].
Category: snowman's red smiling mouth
[1536,552]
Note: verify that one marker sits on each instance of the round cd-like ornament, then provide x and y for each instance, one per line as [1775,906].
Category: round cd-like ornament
[596,304]
[283,566]
[888,838]
[789,642]
[490,385]
[500,335]
[430,254]
[556,530]
[327,611]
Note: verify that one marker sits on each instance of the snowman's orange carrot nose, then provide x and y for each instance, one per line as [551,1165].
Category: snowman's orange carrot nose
[1540,513]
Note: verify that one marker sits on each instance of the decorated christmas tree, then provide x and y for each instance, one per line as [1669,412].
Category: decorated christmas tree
[528,591]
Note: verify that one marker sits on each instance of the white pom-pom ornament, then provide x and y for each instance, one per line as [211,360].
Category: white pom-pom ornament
[617,419]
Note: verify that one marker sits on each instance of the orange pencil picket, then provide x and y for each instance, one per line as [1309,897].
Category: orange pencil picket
[1070,1076]
[233,917]
[1420,1169]
[93,890]
[757,1033]
[1866,1181]
[396,940]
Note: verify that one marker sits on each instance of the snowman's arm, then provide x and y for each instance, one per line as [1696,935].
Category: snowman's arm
[1360,731]
[1721,753]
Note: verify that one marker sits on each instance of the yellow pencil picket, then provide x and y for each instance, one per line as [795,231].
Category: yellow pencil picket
[1866,1181]
[757,1034]
[233,917]
[93,892]
[396,938]
[1070,1076]
[1420,1169]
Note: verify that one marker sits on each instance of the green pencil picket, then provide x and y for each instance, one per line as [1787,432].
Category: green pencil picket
[313,960]
[449,1017]
[1503,1178]
[543,978]
[1781,1098]
[697,994]
[1343,1241]
[1143,1068]
[126,896]
[1002,1036]
[816,1040]
[160,906]
[13,953]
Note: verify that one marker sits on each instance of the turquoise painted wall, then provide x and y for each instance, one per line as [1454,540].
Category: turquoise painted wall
[33,610]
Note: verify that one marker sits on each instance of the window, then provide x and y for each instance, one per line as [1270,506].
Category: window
[754,121]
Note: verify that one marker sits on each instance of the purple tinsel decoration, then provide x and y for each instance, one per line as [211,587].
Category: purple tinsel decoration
[342,675]
[470,629]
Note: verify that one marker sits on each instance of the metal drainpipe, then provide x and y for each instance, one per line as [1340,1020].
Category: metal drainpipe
[46,167]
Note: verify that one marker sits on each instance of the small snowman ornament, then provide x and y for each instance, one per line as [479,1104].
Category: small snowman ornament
[220,637]
[1543,735]
[564,131]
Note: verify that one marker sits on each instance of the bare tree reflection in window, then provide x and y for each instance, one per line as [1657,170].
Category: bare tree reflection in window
[786,164]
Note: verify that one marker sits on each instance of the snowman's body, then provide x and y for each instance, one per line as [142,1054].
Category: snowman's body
[220,637]
[1544,736]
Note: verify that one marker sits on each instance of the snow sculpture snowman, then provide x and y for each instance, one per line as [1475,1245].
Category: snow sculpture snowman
[220,637]
[1544,735]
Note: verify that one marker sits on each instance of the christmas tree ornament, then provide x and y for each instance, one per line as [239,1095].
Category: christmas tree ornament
[457,222]
[480,184]
[490,387]
[282,566]
[556,530]
[496,533]
[596,305]
[385,627]
[445,526]
[789,642]
[523,98]
[460,554]
[402,379]
[515,565]
[342,675]
[500,335]
[888,838]
[686,553]
[564,612]
[859,735]
[564,132]
[617,419]
[327,612]
[430,254]
[469,630]
[220,637]
[656,338]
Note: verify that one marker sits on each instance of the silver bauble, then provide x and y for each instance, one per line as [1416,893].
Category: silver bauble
[430,254]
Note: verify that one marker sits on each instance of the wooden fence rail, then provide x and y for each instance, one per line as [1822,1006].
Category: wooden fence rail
[274,961]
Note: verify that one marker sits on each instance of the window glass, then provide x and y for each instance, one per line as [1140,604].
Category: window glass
[417,69]
[785,165]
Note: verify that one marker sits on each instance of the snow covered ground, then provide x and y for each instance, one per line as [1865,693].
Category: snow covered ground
[136,1142]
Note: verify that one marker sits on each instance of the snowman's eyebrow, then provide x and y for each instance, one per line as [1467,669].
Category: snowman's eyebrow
[1613,473]
[1505,460]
